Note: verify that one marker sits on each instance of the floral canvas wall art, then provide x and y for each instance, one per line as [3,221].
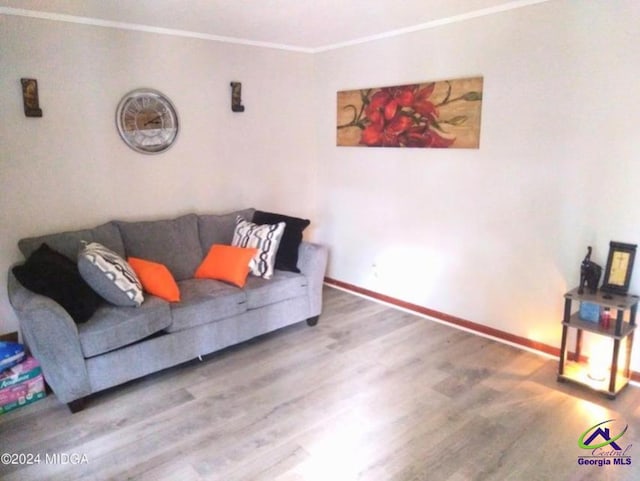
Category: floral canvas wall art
[443,114]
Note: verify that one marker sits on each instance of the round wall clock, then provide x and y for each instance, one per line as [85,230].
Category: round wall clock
[147,121]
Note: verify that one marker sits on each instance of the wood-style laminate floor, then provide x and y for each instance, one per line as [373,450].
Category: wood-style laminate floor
[371,393]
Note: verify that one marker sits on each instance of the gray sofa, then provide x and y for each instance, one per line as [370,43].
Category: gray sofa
[118,344]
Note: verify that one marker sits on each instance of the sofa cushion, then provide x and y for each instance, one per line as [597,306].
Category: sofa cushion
[218,229]
[156,279]
[266,238]
[282,286]
[110,275]
[287,255]
[112,327]
[172,242]
[206,300]
[69,243]
[49,273]
[226,263]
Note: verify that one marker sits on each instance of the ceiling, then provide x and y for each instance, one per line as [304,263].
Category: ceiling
[305,25]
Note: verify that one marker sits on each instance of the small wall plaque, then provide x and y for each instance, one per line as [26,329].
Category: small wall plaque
[236,97]
[30,97]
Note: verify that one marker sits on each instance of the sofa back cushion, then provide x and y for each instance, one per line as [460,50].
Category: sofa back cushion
[70,243]
[218,229]
[172,242]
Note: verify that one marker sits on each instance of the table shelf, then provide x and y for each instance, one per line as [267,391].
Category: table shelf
[604,299]
[595,327]
[578,374]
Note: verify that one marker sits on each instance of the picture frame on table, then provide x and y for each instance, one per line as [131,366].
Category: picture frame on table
[617,275]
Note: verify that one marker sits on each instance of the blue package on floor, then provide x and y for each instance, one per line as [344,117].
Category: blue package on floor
[11,353]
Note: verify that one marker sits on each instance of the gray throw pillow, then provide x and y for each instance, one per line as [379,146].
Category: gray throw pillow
[109,275]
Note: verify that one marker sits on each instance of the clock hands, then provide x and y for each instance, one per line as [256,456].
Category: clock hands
[155,120]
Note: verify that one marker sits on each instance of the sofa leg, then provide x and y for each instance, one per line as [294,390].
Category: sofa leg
[312,321]
[76,405]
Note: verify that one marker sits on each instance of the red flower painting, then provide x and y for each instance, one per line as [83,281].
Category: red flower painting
[435,114]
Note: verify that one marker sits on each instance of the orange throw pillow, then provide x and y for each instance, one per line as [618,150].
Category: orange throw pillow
[155,279]
[226,263]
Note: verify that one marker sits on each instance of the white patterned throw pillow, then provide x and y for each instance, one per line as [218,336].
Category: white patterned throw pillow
[109,275]
[266,238]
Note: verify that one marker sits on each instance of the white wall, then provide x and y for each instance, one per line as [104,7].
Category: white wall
[70,169]
[494,235]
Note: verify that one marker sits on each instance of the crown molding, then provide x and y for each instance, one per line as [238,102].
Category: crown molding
[513,5]
[58,17]
[97,22]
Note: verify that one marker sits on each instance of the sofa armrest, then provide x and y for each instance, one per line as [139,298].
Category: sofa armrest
[312,262]
[52,338]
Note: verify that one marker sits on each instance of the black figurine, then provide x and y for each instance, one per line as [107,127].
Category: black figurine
[589,274]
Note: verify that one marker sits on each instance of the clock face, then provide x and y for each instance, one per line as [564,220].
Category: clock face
[147,121]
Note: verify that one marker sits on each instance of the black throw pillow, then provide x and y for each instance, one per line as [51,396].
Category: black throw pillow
[287,255]
[49,273]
